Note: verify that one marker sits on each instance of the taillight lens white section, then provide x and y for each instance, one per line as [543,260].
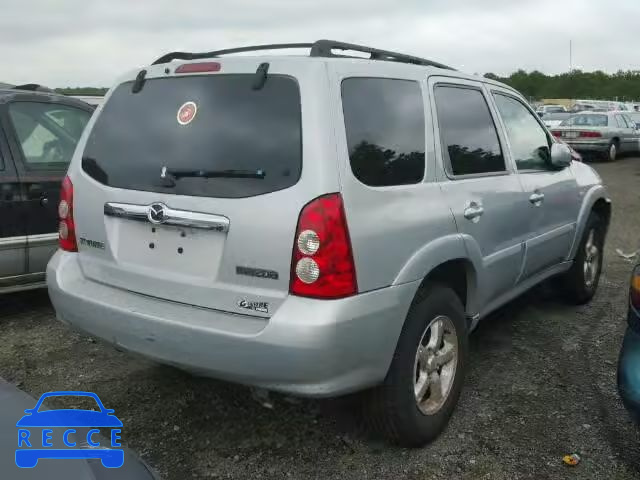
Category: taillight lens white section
[63,231]
[308,242]
[63,210]
[307,270]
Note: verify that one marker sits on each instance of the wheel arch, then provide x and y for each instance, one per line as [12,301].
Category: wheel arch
[446,261]
[596,200]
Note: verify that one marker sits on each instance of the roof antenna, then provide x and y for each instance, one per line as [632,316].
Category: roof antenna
[139,82]
[261,76]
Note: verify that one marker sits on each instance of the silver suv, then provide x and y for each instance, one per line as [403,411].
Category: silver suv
[319,224]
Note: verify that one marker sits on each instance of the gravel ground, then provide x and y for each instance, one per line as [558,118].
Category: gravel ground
[541,385]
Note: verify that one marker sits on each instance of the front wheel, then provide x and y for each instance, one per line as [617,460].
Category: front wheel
[581,281]
[416,400]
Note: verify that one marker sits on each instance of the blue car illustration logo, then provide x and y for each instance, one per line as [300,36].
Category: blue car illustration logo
[37,431]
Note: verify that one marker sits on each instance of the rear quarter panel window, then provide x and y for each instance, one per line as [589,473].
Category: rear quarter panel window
[234,128]
[385,127]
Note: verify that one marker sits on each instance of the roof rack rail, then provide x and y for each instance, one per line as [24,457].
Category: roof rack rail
[32,87]
[321,48]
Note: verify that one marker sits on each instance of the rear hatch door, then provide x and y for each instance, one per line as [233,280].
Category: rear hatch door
[190,189]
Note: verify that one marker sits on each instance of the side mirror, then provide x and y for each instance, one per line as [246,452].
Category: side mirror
[560,155]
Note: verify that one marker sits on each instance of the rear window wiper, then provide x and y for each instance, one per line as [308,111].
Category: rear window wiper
[169,175]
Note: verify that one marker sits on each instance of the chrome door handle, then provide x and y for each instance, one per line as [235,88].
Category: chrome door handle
[473,212]
[537,198]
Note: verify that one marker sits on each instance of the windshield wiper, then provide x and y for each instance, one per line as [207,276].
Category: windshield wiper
[170,175]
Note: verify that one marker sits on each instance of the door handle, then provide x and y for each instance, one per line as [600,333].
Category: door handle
[473,212]
[537,198]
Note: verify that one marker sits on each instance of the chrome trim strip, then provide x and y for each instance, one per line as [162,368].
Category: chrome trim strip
[10,243]
[179,218]
[42,239]
[23,279]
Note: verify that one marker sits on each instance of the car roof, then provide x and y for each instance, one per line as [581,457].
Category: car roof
[8,94]
[325,50]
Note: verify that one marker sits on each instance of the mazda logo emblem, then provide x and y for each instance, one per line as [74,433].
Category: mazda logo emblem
[156,213]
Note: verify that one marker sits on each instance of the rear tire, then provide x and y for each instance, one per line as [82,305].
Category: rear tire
[580,283]
[611,154]
[421,389]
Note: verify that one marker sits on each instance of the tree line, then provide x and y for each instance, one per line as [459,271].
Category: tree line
[596,85]
[536,85]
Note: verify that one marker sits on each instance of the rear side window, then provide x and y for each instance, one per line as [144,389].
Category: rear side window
[384,121]
[48,133]
[199,126]
[622,123]
[586,120]
[467,132]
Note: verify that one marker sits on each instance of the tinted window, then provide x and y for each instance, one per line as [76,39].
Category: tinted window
[631,121]
[45,142]
[528,140]
[622,123]
[224,125]
[467,131]
[384,121]
[588,120]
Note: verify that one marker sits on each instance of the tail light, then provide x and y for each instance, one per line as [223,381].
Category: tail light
[634,291]
[66,227]
[590,134]
[556,133]
[322,262]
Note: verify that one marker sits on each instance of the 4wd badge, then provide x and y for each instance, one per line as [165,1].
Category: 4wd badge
[262,307]
[186,113]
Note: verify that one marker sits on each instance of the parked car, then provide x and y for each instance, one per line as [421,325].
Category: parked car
[629,362]
[39,131]
[546,109]
[201,225]
[635,118]
[605,134]
[555,119]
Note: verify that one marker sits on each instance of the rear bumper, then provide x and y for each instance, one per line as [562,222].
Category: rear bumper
[315,348]
[629,372]
[588,147]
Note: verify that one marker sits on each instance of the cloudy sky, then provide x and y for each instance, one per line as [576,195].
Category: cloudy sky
[89,42]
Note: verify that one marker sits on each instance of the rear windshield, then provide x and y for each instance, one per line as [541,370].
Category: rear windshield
[586,121]
[199,124]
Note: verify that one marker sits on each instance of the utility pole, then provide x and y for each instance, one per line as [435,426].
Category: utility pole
[570,56]
[571,101]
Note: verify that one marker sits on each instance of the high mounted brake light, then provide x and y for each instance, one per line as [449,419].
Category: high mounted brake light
[199,67]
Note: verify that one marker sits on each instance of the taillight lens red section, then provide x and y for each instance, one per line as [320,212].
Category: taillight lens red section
[66,226]
[199,67]
[322,262]
[590,134]
[634,291]
[556,133]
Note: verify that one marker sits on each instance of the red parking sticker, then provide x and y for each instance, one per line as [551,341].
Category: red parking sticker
[186,113]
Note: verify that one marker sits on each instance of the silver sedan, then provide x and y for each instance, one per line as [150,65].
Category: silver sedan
[605,134]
